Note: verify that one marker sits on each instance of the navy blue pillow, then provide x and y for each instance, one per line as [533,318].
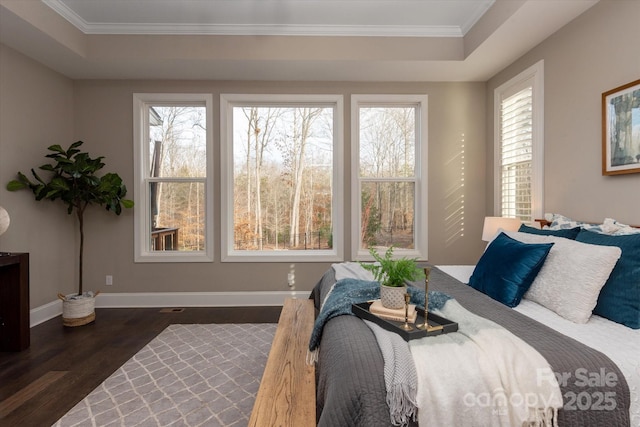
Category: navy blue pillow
[619,298]
[507,268]
[568,233]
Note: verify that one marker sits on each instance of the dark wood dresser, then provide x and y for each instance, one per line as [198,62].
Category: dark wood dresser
[14,302]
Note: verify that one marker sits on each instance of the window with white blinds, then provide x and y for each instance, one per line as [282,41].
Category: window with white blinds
[519,146]
[516,153]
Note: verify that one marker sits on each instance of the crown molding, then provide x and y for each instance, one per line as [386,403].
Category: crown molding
[259,29]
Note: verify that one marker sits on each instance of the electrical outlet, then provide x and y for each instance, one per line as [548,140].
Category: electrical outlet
[109,280]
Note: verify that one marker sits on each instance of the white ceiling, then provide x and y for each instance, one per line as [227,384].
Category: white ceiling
[434,18]
[286,40]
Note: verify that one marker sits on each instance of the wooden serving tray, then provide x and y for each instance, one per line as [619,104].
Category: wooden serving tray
[438,324]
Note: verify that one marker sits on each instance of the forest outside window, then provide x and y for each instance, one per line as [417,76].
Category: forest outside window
[281,177]
[173,149]
[389,179]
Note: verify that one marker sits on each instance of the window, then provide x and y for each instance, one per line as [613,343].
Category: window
[174,193]
[281,176]
[519,144]
[389,184]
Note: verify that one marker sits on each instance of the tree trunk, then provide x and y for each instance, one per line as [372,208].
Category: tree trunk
[80,215]
[259,151]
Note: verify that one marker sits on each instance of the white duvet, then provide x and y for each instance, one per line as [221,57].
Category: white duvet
[620,343]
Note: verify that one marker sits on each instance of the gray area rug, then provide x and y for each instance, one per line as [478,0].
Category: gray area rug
[189,375]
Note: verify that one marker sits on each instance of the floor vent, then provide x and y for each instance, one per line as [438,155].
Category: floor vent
[172,310]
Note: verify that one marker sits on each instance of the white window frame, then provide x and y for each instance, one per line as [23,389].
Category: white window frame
[141,156]
[533,76]
[421,184]
[228,253]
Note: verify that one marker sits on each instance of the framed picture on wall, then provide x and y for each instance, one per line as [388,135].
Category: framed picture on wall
[621,130]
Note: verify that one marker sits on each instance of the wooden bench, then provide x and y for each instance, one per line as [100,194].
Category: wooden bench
[287,393]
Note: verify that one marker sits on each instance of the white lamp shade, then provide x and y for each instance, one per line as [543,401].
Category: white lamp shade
[493,224]
[4,220]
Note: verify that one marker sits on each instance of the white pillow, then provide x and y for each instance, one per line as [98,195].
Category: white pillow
[571,277]
[560,222]
[618,228]
[608,226]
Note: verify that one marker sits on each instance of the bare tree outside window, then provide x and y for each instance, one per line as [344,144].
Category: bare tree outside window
[282,178]
[177,138]
[387,169]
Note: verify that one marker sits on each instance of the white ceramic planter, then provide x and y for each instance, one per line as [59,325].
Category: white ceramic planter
[392,296]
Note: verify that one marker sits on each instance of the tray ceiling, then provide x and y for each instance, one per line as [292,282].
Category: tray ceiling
[282,40]
[431,18]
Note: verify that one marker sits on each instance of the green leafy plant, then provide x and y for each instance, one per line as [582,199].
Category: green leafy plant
[393,272]
[73,180]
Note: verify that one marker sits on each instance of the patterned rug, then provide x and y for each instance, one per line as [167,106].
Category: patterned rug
[189,375]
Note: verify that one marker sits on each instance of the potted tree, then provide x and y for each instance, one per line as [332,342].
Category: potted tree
[393,275]
[74,182]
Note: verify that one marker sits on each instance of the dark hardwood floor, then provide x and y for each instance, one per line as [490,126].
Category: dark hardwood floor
[62,365]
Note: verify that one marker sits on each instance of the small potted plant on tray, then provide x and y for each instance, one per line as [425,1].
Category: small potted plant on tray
[393,275]
[74,182]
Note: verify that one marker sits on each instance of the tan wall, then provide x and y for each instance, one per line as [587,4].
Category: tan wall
[103,114]
[593,54]
[36,110]
[41,107]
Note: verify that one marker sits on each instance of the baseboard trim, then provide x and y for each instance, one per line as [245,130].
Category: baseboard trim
[173,299]
[45,312]
[195,299]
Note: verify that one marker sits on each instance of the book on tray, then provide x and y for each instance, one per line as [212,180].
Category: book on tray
[394,314]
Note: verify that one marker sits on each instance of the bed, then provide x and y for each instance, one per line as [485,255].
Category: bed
[596,362]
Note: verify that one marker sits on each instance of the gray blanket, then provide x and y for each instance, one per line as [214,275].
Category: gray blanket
[350,380]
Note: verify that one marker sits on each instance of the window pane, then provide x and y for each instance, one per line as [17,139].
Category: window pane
[178,216]
[516,129]
[516,191]
[282,178]
[173,159]
[387,214]
[387,141]
[178,141]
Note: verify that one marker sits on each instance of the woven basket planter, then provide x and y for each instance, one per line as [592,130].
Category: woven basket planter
[78,311]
